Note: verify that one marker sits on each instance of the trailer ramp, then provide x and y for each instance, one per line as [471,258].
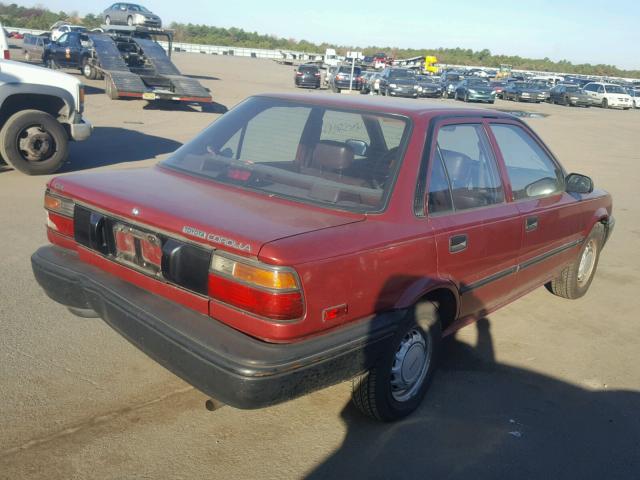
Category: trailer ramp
[157,57]
[111,61]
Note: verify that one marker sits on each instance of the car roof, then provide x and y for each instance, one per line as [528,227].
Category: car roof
[397,106]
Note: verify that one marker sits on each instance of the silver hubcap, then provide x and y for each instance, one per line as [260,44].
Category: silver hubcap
[410,365]
[87,70]
[36,144]
[587,262]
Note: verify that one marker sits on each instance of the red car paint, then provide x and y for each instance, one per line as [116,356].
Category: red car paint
[355,264]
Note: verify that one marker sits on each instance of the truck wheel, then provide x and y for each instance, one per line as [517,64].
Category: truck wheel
[87,70]
[574,281]
[396,385]
[34,142]
[110,89]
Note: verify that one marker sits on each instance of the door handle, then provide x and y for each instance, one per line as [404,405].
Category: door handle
[457,243]
[531,223]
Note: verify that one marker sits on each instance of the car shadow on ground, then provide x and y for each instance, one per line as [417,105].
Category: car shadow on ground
[167,105]
[110,145]
[484,419]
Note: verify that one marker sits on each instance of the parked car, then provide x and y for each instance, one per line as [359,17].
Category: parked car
[130,14]
[399,82]
[449,81]
[61,29]
[33,47]
[475,89]
[608,95]
[341,80]
[635,97]
[525,92]
[366,88]
[261,270]
[307,76]
[40,112]
[374,83]
[430,87]
[498,87]
[569,95]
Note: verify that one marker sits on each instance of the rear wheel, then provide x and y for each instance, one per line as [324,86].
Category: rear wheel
[605,103]
[107,20]
[574,281]
[398,382]
[130,21]
[27,56]
[34,142]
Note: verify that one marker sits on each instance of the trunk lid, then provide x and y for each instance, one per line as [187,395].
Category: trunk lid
[200,210]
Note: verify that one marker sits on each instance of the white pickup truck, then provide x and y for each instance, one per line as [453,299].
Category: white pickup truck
[40,111]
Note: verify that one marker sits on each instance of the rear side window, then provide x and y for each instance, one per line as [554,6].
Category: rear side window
[531,171]
[471,168]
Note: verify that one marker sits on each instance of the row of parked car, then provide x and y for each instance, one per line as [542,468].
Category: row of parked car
[403,82]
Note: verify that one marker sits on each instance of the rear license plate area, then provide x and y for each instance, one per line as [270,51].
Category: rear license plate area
[138,249]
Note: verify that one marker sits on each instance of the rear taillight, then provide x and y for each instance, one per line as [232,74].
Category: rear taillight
[317,74]
[7,55]
[59,213]
[264,290]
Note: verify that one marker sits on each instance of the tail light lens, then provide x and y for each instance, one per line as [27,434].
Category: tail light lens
[7,55]
[270,292]
[59,213]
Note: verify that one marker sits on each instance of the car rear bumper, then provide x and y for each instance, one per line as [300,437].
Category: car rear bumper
[224,363]
[403,93]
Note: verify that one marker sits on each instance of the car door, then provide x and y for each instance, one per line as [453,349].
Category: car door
[58,49]
[548,224]
[477,231]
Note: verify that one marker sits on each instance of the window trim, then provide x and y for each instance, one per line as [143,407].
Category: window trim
[542,146]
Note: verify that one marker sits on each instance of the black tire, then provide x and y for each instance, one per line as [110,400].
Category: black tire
[88,70]
[34,142]
[492,102]
[130,21]
[569,284]
[567,102]
[110,89]
[376,393]
[466,97]
[605,103]
[107,20]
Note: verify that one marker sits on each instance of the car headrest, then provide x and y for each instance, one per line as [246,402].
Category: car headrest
[332,155]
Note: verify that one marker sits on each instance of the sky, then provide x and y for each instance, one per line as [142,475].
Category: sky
[584,31]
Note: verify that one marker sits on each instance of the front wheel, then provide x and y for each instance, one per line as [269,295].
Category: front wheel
[34,142]
[107,20]
[574,281]
[88,70]
[605,103]
[398,382]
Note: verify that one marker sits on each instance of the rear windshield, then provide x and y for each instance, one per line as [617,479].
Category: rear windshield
[308,68]
[342,159]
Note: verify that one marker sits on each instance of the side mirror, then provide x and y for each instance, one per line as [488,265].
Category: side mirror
[576,183]
[359,147]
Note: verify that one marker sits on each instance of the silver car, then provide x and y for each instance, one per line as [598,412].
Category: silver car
[130,14]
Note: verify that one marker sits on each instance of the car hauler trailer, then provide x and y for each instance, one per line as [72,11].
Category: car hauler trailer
[131,61]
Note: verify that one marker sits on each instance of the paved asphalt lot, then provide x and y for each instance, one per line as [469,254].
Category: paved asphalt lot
[545,388]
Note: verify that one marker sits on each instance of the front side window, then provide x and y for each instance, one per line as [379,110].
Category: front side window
[340,159]
[470,166]
[531,171]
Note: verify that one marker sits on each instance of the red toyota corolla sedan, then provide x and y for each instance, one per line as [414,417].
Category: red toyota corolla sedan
[302,240]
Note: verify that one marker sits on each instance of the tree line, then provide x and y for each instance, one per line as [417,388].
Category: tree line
[42,19]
